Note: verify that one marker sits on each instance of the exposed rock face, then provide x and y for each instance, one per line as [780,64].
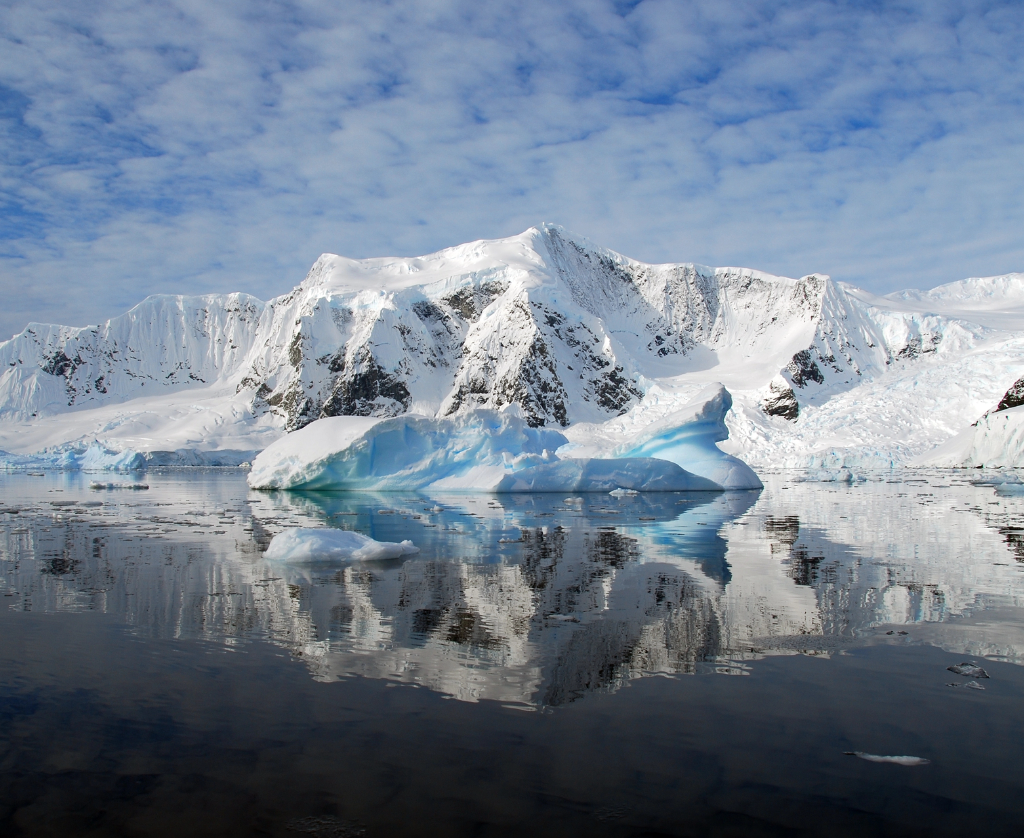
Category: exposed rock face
[803,369]
[781,401]
[1014,397]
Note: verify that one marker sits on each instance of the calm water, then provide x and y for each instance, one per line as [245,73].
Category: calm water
[648,665]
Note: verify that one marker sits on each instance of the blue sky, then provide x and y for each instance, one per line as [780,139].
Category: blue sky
[184,146]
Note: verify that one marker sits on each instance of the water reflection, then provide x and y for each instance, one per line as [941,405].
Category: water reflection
[534,600]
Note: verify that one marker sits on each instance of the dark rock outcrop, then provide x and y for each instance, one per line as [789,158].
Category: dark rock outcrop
[1014,397]
[781,401]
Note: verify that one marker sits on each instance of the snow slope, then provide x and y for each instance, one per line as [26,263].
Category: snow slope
[579,337]
[995,441]
[953,352]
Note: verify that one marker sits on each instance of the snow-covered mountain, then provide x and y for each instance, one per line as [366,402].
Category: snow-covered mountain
[580,337]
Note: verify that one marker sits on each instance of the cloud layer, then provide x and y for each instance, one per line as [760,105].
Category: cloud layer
[185,147]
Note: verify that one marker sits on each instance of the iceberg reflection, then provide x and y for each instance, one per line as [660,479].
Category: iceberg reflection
[531,599]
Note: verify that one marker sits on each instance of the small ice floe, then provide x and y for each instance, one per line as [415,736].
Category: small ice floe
[622,493]
[968,669]
[843,475]
[135,486]
[574,501]
[310,545]
[999,480]
[970,685]
[897,760]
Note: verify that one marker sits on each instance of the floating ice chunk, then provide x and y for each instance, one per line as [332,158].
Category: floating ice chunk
[306,545]
[483,451]
[970,685]
[687,438]
[621,493]
[968,669]
[472,452]
[186,457]
[900,760]
[843,475]
[636,474]
[95,484]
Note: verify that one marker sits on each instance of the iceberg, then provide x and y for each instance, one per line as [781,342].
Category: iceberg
[688,438]
[617,477]
[310,545]
[482,451]
[470,452]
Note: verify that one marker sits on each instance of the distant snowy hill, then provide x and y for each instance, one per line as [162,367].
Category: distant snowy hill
[581,338]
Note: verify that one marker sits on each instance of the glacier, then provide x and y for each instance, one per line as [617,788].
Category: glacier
[95,456]
[994,441]
[610,351]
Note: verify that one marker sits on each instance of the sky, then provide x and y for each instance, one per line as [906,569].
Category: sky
[183,146]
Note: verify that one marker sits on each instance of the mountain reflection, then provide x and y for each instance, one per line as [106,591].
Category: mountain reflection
[528,599]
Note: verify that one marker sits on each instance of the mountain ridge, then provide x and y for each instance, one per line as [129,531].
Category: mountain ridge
[570,332]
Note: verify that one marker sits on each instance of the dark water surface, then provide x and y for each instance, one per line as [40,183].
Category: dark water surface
[650,665]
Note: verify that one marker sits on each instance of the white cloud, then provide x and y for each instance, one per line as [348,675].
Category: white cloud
[188,147]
